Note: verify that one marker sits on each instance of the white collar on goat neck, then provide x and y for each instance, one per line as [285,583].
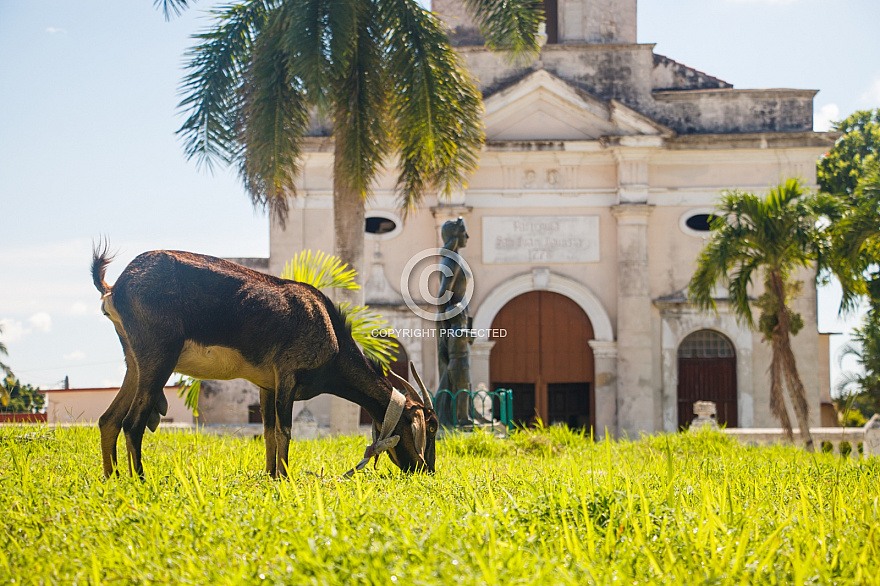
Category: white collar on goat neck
[382,438]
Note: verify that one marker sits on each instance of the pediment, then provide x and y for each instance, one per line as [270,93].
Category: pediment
[542,106]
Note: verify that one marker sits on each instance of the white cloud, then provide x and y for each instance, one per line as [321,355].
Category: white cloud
[872,96]
[827,114]
[75,355]
[54,30]
[41,321]
[12,330]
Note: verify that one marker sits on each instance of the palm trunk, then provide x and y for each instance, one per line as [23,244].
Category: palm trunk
[348,226]
[787,365]
[777,399]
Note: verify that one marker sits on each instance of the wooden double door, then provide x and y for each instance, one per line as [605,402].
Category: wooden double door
[545,359]
[707,372]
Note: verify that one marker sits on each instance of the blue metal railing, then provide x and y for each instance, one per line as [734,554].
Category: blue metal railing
[484,409]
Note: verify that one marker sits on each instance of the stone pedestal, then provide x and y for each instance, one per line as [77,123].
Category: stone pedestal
[635,392]
[706,413]
[872,437]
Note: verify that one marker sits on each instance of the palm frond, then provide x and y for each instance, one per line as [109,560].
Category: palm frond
[436,107]
[272,121]
[359,97]
[320,270]
[215,69]
[509,25]
[172,7]
[189,389]
[312,29]
[363,323]
[848,384]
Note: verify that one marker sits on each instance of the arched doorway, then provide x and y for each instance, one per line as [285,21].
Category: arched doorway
[400,366]
[545,359]
[707,372]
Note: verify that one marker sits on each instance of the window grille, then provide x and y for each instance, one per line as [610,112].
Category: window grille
[706,344]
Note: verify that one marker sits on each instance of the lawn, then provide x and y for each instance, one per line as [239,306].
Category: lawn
[545,507]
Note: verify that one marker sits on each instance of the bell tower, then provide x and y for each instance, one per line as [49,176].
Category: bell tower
[569,22]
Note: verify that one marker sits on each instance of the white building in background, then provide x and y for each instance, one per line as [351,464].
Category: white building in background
[602,162]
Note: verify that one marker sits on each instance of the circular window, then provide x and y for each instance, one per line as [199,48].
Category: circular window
[697,222]
[377,225]
[380,225]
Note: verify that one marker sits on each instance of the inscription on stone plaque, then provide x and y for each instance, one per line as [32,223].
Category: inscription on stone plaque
[548,239]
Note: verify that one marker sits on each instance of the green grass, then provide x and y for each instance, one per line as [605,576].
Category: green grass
[548,507]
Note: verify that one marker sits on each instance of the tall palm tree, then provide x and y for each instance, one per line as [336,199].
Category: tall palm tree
[382,73]
[769,237]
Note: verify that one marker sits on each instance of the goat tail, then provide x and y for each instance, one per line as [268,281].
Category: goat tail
[101,257]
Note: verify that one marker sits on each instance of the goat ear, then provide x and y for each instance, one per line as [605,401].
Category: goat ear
[419,431]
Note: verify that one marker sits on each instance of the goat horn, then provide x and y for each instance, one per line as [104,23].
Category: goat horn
[426,395]
[404,381]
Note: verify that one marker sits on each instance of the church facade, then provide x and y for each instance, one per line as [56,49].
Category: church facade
[602,163]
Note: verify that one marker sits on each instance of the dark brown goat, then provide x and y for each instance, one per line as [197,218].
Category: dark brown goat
[212,319]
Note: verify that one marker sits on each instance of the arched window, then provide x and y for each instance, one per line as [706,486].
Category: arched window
[707,372]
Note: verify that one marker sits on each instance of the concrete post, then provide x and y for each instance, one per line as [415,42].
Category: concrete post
[635,393]
[605,383]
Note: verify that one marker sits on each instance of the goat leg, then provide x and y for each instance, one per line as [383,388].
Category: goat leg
[267,408]
[153,373]
[283,423]
[110,422]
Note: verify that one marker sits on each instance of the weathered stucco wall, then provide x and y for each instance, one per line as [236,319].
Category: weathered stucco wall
[87,405]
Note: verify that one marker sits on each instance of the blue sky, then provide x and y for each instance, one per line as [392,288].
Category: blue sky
[88,95]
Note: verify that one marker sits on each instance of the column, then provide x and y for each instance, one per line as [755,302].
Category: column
[605,386]
[635,391]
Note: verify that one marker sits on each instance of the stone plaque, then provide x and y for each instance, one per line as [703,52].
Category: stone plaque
[540,239]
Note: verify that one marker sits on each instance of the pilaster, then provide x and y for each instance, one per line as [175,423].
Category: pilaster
[635,392]
[632,174]
[605,382]
[480,352]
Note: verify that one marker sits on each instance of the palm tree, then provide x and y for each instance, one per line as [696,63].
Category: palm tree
[4,394]
[382,73]
[4,367]
[854,257]
[863,386]
[769,236]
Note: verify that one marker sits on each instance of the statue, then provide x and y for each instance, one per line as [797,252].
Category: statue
[454,339]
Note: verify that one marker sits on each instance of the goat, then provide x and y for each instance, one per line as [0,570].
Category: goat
[209,318]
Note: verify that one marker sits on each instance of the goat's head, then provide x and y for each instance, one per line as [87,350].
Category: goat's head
[417,428]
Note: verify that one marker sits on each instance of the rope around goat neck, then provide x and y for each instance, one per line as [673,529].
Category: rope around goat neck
[382,438]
